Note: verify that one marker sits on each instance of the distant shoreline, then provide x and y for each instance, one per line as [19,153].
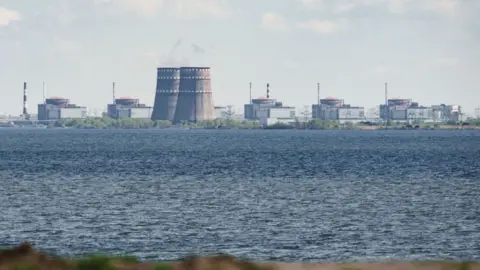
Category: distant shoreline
[359,128]
[315,124]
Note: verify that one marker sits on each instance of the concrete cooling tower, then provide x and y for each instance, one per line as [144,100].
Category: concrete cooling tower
[166,95]
[195,101]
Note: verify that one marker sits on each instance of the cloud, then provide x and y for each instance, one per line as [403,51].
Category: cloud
[180,8]
[448,8]
[174,62]
[63,13]
[397,6]
[195,8]
[7,16]
[141,7]
[274,22]
[311,4]
[191,52]
[344,7]
[322,27]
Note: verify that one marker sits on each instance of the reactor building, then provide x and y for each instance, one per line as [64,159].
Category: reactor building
[183,94]
[269,111]
[56,108]
[127,107]
[406,110]
[335,109]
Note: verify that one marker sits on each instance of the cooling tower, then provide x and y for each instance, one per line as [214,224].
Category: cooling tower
[168,82]
[195,95]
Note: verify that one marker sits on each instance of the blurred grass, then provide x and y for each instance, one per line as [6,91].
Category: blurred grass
[24,257]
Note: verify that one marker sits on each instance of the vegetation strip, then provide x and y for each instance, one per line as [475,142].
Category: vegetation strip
[24,257]
[129,123]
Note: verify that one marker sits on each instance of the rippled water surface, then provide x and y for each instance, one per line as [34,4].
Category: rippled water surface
[276,195]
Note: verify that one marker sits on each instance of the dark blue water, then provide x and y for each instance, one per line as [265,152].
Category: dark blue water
[268,195]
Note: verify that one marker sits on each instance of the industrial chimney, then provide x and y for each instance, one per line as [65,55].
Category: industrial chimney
[25,104]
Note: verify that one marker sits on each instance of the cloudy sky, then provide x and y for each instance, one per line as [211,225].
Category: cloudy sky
[427,50]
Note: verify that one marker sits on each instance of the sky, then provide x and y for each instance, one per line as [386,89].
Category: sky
[427,50]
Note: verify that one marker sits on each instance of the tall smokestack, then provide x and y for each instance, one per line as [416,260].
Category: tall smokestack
[113,92]
[268,90]
[317,109]
[318,93]
[387,111]
[44,93]
[250,102]
[25,104]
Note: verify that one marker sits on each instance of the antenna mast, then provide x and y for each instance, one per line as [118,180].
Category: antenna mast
[268,90]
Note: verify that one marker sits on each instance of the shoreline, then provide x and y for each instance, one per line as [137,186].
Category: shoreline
[25,257]
[273,127]
[361,128]
[314,124]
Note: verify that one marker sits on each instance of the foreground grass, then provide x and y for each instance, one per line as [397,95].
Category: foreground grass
[24,257]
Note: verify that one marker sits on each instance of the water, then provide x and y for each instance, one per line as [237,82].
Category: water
[267,195]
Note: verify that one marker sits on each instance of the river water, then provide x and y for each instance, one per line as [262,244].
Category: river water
[284,195]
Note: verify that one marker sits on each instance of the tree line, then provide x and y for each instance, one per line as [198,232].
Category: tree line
[315,124]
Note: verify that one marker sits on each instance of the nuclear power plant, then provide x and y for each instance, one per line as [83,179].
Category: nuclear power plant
[183,94]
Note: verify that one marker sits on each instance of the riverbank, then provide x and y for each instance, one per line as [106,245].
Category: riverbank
[274,127]
[127,123]
[439,127]
[24,257]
